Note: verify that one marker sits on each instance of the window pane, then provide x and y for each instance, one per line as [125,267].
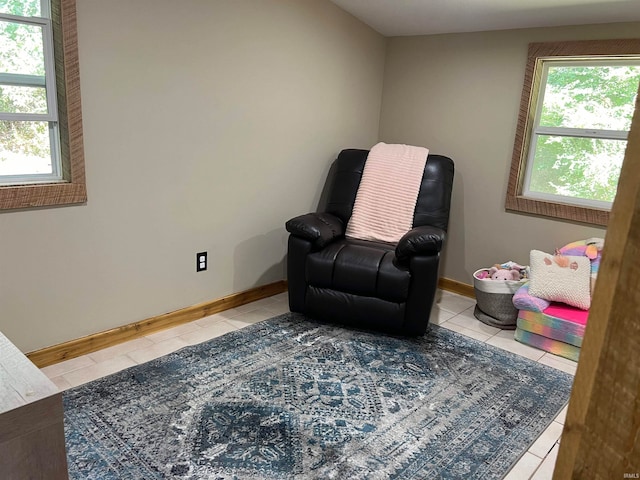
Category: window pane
[24,148]
[595,97]
[21,48]
[22,8]
[15,99]
[577,167]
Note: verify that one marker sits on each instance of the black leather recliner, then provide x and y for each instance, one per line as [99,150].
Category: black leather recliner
[363,283]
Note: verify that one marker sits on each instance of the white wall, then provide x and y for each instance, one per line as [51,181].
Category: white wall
[459,95]
[207,123]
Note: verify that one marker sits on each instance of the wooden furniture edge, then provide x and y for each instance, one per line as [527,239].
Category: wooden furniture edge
[456,287]
[90,343]
[601,438]
[31,420]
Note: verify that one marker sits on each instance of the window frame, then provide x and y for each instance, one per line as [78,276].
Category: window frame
[531,101]
[72,188]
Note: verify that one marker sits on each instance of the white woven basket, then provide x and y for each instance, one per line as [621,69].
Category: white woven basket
[495,300]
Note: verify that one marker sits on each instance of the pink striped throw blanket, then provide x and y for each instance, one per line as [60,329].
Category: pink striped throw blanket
[388,191]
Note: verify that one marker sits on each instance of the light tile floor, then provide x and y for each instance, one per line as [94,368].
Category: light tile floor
[451,311]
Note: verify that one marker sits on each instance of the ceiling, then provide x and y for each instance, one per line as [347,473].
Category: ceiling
[426,17]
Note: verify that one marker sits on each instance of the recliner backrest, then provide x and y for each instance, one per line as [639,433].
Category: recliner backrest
[434,199]
[342,183]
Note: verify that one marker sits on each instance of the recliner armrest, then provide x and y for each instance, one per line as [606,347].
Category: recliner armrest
[319,228]
[424,240]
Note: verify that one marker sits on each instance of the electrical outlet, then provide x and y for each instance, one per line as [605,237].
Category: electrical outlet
[201,261]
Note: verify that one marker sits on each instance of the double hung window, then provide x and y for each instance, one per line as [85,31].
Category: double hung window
[41,148]
[577,105]
[29,146]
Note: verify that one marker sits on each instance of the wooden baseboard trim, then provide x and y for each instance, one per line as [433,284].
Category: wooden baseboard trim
[91,343]
[81,346]
[456,287]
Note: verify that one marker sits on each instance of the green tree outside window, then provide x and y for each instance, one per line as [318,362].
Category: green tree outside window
[580,133]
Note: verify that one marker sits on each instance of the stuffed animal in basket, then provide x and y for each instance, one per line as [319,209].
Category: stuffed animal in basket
[504,274]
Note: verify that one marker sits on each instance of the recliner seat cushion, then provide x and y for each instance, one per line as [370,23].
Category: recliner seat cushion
[359,268]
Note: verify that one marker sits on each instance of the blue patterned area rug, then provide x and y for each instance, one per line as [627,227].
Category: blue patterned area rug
[290,398]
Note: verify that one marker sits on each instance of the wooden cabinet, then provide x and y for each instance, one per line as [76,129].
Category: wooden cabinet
[31,420]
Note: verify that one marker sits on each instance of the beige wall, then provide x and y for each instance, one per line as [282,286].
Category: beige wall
[207,126]
[459,95]
[208,123]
